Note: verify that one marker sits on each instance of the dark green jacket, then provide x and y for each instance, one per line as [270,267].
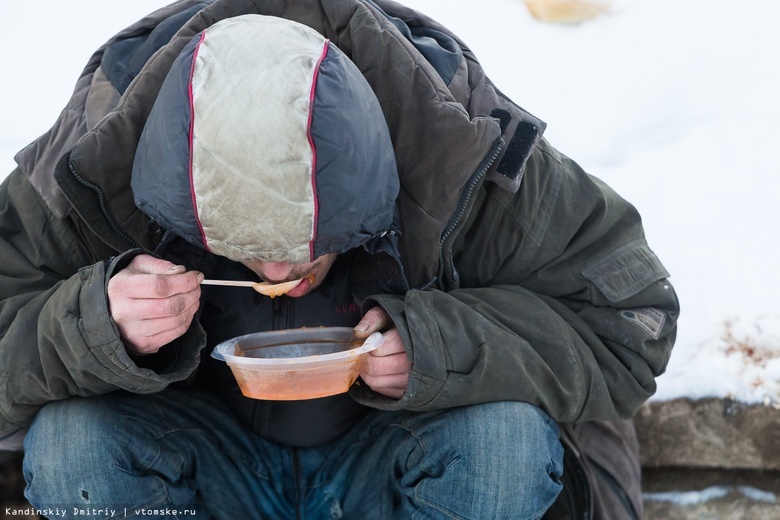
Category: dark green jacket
[530,280]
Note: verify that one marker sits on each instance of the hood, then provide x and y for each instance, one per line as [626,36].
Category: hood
[266,143]
[451,129]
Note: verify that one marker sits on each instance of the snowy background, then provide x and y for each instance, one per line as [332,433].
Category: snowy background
[673,102]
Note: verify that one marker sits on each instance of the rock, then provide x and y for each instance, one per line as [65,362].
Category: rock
[683,494]
[732,505]
[709,433]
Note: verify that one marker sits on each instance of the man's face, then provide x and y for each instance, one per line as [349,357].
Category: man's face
[313,273]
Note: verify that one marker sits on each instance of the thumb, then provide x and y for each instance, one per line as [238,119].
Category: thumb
[375,319]
[148,264]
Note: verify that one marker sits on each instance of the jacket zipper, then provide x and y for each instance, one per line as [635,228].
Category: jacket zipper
[282,313]
[464,202]
[103,208]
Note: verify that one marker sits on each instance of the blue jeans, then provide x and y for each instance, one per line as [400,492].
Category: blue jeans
[181,454]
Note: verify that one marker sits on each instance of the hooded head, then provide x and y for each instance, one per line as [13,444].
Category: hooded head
[266,143]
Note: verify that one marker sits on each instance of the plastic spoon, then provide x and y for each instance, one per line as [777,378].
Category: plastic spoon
[268,289]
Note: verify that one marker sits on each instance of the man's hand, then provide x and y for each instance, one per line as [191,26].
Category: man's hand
[153,302]
[387,368]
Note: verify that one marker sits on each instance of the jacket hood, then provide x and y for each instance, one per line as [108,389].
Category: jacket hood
[266,143]
[451,128]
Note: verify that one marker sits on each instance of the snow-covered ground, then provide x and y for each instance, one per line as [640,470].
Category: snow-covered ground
[672,102]
[687,498]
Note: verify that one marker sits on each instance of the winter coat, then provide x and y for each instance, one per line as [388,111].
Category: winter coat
[528,279]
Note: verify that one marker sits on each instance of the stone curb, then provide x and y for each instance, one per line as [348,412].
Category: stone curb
[709,433]
[732,505]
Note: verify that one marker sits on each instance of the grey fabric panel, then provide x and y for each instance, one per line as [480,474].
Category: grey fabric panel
[125,59]
[161,177]
[38,159]
[440,49]
[356,177]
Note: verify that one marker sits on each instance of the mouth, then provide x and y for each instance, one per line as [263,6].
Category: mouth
[303,285]
[292,288]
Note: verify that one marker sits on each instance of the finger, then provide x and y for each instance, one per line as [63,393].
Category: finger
[148,264]
[148,336]
[139,328]
[391,344]
[137,309]
[388,384]
[389,348]
[146,345]
[391,386]
[389,365]
[143,286]
[374,320]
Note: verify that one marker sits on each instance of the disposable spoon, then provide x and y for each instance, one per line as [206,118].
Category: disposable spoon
[265,288]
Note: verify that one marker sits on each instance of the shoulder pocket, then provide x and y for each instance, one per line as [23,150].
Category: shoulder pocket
[626,271]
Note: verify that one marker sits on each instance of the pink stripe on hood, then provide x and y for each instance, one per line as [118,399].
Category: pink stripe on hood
[191,137]
[313,149]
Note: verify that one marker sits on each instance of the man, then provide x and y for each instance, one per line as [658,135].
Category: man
[355,145]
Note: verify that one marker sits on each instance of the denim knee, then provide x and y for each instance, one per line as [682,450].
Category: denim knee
[494,460]
[76,448]
[66,432]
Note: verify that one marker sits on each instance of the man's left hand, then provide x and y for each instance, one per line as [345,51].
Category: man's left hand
[386,370]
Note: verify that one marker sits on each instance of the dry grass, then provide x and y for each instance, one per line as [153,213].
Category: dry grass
[754,345]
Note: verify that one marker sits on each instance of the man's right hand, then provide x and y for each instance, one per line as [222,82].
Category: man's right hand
[153,302]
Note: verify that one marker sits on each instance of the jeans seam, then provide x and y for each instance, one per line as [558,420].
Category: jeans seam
[158,433]
[162,498]
[433,505]
[417,496]
[154,428]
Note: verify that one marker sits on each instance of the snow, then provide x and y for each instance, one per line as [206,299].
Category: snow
[688,498]
[672,102]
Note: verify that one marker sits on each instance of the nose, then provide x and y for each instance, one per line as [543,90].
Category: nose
[277,271]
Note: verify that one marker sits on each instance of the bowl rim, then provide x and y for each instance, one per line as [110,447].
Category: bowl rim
[222,350]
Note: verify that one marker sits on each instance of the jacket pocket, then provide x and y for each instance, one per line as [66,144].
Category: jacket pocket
[626,271]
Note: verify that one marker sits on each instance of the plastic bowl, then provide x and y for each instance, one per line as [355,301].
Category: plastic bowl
[296,364]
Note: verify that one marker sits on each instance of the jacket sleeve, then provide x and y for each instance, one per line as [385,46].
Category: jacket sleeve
[560,303]
[57,338]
